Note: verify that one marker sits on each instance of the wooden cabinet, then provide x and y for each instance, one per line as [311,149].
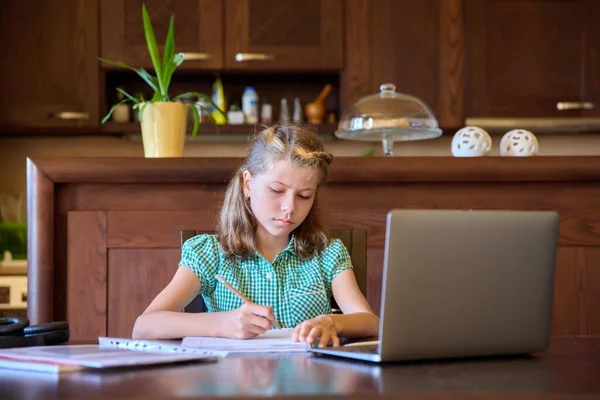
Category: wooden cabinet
[258,34]
[415,45]
[405,50]
[198,31]
[284,34]
[522,58]
[477,58]
[49,71]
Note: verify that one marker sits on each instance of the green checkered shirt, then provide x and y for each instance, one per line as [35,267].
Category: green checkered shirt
[297,289]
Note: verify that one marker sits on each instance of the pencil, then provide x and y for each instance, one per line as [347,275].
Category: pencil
[238,294]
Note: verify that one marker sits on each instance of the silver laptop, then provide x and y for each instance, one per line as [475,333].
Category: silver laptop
[462,284]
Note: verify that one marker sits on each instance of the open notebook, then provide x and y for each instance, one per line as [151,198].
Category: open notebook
[275,340]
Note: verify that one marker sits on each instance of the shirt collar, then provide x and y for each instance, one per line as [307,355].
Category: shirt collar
[289,249]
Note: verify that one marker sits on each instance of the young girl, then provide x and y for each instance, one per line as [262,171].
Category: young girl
[270,247]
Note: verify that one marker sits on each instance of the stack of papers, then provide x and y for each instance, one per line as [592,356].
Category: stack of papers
[273,341]
[57,359]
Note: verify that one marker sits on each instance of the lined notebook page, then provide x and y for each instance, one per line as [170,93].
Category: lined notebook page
[275,340]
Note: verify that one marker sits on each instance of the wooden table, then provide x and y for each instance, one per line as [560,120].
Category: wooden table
[571,368]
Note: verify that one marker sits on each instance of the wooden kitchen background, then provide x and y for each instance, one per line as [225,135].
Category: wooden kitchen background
[465,58]
[479,61]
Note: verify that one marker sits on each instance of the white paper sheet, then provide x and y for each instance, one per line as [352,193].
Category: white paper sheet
[275,340]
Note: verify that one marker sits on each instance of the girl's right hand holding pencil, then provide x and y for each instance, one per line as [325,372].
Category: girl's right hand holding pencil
[248,321]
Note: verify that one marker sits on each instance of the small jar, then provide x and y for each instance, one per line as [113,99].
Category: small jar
[266,112]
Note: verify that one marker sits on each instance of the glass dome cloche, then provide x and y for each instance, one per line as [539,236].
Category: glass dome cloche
[388,116]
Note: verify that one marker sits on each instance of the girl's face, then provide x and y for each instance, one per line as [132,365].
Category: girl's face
[282,196]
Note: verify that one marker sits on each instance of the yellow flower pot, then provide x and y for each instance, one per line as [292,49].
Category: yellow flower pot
[163,129]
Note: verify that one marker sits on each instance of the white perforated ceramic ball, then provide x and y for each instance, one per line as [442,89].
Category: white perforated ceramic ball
[518,143]
[471,141]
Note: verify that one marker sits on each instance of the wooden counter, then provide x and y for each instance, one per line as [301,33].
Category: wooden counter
[104,232]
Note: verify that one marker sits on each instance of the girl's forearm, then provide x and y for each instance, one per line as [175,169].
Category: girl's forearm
[356,325]
[176,325]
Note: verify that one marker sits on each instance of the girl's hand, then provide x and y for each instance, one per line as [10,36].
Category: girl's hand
[322,327]
[248,321]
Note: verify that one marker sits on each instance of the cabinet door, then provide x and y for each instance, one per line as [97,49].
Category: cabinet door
[524,58]
[50,71]
[198,31]
[407,53]
[422,55]
[284,34]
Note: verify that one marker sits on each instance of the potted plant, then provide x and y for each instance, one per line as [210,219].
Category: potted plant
[163,118]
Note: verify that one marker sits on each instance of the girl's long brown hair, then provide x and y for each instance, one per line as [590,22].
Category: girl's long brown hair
[237,225]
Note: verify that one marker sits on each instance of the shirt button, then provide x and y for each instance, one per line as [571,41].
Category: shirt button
[269,275]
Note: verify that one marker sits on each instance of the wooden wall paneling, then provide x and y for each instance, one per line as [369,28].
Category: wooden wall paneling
[451,100]
[352,207]
[185,194]
[135,277]
[40,245]
[371,170]
[565,313]
[139,229]
[61,245]
[87,266]
[577,291]
[140,170]
[589,291]
[142,196]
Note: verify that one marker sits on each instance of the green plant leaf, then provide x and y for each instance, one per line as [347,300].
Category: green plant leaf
[370,151]
[113,109]
[178,59]
[141,111]
[130,97]
[202,96]
[176,62]
[196,118]
[153,48]
[169,52]
[119,64]
[158,97]
[150,80]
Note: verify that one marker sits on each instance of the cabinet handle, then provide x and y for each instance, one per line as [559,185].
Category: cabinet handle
[70,115]
[241,57]
[575,105]
[191,56]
